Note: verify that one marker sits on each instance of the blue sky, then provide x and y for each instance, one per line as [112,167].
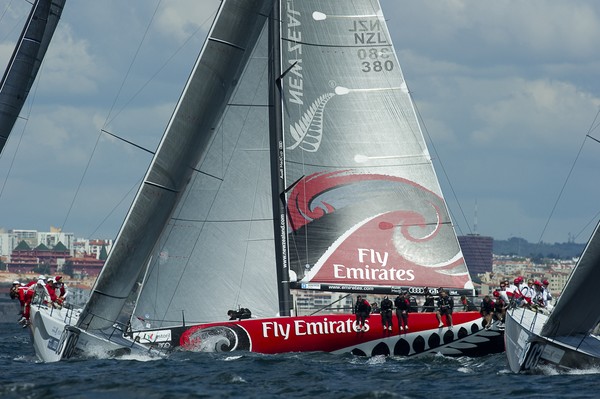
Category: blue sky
[507,91]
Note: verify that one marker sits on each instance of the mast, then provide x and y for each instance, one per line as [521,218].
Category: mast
[25,62]
[277,164]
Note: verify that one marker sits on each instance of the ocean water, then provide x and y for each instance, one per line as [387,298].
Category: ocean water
[295,375]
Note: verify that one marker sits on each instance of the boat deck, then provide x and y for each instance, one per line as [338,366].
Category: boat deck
[589,344]
[530,320]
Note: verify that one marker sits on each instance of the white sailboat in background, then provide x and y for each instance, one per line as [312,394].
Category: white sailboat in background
[25,62]
[567,338]
[294,160]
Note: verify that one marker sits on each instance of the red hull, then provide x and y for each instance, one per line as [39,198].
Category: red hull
[337,333]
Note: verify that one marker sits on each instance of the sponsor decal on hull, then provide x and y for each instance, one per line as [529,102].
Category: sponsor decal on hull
[147,337]
[340,333]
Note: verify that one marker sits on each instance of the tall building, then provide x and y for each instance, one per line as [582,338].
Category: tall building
[477,251]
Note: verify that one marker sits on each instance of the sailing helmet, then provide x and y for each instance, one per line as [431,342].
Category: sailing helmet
[41,277]
[57,278]
[536,282]
[16,282]
[496,293]
[517,280]
[545,282]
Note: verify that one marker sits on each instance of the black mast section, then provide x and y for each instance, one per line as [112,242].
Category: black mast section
[277,164]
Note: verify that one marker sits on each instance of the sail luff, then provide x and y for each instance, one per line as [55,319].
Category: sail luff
[575,312]
[25,62]
[191,128]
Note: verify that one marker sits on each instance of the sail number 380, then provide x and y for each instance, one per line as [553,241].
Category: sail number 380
[375,59]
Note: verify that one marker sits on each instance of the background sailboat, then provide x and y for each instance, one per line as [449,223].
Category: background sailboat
[567,337]
[26,61]
[297,162]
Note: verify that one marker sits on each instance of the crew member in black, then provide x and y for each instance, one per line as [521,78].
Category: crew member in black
[241,314]
[402,308]
[445,305]
[487,310]
[428,305]
[362,309]
[386,313]
[500,307]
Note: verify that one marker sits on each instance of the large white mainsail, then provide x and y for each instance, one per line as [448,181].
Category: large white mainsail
[184,145]
[26,61]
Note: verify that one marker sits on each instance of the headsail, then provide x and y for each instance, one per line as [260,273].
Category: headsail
[364,206]
[217,252]
[158,216]
[574,312]
[25,62]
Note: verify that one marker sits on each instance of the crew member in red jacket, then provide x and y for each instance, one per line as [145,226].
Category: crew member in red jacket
[51,292]
[61,290]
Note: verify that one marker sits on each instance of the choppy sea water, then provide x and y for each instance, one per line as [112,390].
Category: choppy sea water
[295,375]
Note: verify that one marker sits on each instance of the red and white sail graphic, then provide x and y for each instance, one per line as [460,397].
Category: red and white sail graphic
[392,233]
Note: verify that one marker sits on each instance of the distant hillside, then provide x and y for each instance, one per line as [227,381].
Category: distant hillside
[521,247]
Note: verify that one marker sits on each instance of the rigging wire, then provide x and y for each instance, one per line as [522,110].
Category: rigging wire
[30,104]
[479,249]
[110,119]
[30,101]
[109,113]
[5,10]
[432,144]
[592,127]
[17,23]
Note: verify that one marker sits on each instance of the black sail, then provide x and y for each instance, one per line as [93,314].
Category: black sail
[25,62]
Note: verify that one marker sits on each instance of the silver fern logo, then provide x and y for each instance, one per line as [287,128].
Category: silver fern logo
[307,133]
